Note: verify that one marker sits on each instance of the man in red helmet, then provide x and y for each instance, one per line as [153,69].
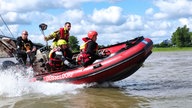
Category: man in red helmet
[89,49]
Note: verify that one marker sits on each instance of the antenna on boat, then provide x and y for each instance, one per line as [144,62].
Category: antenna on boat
[6,25]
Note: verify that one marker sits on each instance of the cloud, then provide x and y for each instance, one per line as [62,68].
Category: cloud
[15,18]
[149,11]
[134,22]
[24,6]
[74,15]
[36,5]
[111,15]
[173,8]
[158,33]
[160,15]
[186,21]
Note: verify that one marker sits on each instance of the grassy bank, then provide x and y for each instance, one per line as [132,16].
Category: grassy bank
[173,49]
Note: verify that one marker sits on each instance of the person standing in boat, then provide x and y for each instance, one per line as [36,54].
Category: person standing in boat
[62,33]
[25,49]
[89,49]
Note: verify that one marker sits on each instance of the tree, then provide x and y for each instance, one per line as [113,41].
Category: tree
[191,37]
[181,37]
[74,43]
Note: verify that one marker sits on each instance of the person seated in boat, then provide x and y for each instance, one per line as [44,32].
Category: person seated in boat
[25,49]
[88,50]
[59,55]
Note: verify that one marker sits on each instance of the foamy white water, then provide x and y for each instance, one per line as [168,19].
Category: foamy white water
[14,83]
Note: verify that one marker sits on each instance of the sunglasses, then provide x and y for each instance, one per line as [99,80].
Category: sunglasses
[25,34]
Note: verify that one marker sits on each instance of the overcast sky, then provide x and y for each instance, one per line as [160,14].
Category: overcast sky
[115,20]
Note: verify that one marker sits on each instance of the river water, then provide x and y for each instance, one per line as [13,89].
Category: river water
[164,81]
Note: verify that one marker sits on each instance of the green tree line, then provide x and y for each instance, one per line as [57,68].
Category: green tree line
[182,37]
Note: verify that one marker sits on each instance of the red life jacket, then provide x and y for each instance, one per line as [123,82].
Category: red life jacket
[64,34]
[54,62]
[83,56]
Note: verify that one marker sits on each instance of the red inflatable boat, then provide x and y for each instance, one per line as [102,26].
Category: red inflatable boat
[125,59]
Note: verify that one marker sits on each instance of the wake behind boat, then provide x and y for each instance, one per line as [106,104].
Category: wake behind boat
[124,60]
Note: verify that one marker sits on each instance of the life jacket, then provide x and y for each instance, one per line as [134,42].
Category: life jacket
[82,47]
[54,62]
[83,56]
[64,34]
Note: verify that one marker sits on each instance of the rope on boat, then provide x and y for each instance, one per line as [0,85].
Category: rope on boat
[6,25]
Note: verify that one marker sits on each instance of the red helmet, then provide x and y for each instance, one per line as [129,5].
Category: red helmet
[91,34]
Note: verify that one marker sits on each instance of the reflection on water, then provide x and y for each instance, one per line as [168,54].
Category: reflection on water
[88,98]
[165,81]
